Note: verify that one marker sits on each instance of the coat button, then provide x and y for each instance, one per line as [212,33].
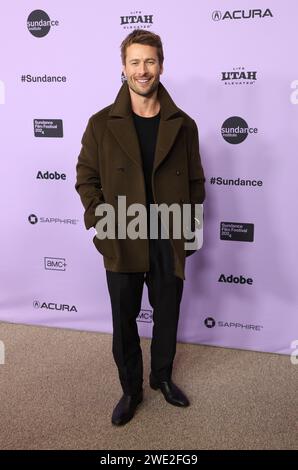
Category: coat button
[181,200]
[177,172]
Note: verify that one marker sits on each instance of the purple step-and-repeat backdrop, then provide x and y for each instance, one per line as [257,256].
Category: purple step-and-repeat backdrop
[235,72]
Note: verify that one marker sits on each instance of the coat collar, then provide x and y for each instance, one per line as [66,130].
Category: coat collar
[122,104]
[121,124]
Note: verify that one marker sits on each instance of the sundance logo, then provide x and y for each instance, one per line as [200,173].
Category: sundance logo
[235,130]
[211,323]
[39,23]
[217,15]
[136,18]
[54,306]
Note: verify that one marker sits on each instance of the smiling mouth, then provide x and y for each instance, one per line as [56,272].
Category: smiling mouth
[143,81]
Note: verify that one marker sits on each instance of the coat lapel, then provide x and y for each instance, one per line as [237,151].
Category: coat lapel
[121,124]
[167,134]
[125,133]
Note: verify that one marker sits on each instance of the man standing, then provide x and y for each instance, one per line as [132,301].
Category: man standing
[144,148]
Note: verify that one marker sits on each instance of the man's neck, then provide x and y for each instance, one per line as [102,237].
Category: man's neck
[143,105]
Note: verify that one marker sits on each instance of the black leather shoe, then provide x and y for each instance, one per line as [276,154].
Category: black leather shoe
[125,408]
[170,391]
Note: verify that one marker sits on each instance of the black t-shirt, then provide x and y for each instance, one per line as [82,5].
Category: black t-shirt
[147,130]
[161,256]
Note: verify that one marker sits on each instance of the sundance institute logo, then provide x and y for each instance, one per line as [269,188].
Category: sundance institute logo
[235,130]
[39,23]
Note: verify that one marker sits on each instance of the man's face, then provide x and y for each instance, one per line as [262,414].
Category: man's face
[142,69]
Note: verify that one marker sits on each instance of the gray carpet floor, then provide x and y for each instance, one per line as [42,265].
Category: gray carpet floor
[59,387]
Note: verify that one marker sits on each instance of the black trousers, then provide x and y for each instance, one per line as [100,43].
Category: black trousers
[165,294]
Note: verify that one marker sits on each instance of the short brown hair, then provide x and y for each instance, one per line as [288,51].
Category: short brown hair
[141,36]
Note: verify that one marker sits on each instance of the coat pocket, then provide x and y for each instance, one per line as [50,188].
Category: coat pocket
[105,246]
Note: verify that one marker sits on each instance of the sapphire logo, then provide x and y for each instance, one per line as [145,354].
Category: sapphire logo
[209,322]
[33,219]
[39,23]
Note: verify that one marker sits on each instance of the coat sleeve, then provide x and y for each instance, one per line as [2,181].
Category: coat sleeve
[196,173]
[196,180]
[88,183]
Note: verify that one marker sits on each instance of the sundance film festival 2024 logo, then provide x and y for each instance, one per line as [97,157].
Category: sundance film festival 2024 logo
[135,20]
[237,231]
[48,127]
[39,23]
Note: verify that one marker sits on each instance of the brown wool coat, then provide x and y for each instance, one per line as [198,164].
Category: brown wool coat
[110,164]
